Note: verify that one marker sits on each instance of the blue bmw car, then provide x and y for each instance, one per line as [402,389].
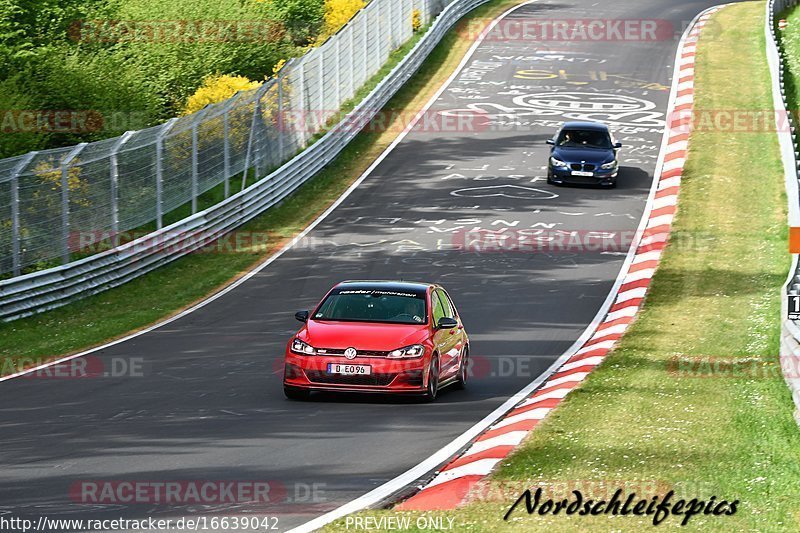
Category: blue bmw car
[583,153]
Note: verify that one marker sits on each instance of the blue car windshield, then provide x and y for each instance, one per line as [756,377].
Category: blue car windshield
[584,139]
[373,306]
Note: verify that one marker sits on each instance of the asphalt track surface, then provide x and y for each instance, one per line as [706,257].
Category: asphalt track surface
[209,405]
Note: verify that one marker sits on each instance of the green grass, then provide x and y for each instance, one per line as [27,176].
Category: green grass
[168,290]
[637,422]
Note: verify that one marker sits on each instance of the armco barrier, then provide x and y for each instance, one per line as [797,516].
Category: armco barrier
[119,184]
[47,289]
[790,332]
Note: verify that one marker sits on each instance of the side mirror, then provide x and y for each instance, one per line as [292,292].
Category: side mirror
[617,145]
[302,316]
[447,323]
[551,142]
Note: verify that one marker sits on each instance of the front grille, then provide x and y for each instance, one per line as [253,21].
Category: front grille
[588,167]
[374,380]
[361,353]
[583,180]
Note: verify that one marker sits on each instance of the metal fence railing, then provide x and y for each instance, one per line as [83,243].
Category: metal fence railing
[56,286]
[788,141]
[55,202]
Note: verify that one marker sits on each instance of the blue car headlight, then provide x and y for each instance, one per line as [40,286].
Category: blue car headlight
[610,165]
[557,162]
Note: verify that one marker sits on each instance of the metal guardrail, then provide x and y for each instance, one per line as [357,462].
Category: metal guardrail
[790,152]
[47,289]
[56,202]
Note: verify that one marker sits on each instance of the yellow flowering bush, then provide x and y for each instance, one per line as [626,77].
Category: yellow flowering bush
[337,14]
[217,88]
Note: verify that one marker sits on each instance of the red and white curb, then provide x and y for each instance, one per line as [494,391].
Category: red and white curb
[451,484]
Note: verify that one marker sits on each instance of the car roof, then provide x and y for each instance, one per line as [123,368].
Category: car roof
[584,125]
[386,285]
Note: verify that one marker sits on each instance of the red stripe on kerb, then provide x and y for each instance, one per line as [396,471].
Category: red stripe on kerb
[596,340]
[644,265]
[657,230]
[638,284]
[522,425]
[633,302]
[675,154]
[498,452]
[672,173]
[546,403]
[441,497]
[615,322]
[666,210]
[600,352]
[679,137]
[669,191]
[543,390]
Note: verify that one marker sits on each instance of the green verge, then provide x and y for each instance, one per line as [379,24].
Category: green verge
[174,287]
[692,400]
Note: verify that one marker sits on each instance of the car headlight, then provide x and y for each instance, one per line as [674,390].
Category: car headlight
[557,162]
[609,166]
[302,348]
[409,352]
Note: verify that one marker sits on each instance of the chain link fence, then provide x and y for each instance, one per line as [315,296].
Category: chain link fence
[55,202]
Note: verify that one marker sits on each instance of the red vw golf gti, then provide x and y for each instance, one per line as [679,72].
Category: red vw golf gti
[378,336]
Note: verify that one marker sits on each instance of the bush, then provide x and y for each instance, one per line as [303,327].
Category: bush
[15,137]
[215,89]
[337,14]
[302,18]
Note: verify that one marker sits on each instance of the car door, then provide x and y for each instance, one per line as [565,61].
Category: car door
[451,339]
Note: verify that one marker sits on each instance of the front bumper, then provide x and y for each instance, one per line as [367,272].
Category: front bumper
[598,177]
[387,375]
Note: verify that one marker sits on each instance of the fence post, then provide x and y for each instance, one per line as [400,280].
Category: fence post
[321,86]
[352,69]
[302,90]
[194,168]
[365,33]
[226,152]
[15,227]
[195,148]
[281,121]
[160,171]
[226,143]
[338,66]
[65,164]
[115,187]
[256,108]
[392,21]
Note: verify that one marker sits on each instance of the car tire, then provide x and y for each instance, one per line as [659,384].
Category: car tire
[296,394]
[432,388]
[550,178]
[463,371]
[612,185]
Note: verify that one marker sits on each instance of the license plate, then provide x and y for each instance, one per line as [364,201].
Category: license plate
[349,370]
[582,173]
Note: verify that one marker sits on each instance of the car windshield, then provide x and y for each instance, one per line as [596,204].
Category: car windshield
[373,305]
[584,139]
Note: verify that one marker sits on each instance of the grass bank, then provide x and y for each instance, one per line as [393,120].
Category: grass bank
[692,400]
[176,286]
